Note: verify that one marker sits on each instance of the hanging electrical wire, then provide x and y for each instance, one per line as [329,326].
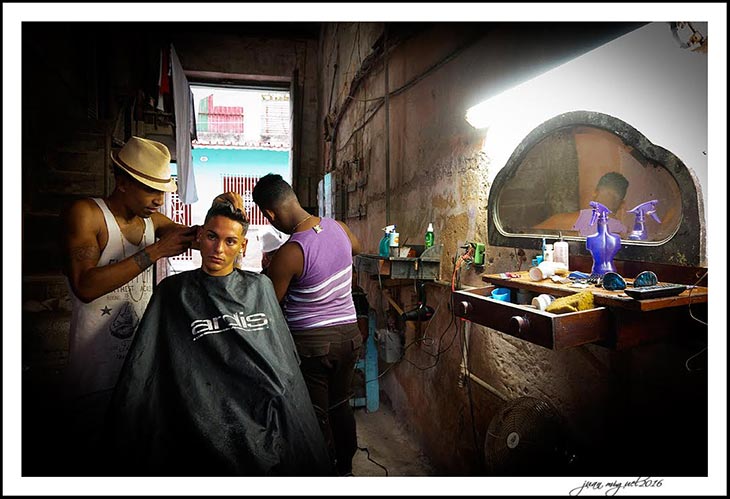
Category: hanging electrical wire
[467,380]
[368,64]
[437,355]
[365,449]
[467,256]
[689,304]
[689,307]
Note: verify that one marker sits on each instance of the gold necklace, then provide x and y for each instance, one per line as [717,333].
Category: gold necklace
[300,223]
[144,272]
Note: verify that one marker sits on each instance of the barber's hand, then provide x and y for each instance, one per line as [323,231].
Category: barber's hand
[175,241]
[231,197]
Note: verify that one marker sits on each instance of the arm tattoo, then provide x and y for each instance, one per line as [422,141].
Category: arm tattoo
[81,253]
[142,259]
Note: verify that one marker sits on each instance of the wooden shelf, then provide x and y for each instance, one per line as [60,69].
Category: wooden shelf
[601,296]
[424,267]
[618,321]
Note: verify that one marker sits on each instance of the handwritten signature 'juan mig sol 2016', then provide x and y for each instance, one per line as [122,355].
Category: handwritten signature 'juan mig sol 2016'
[612,488]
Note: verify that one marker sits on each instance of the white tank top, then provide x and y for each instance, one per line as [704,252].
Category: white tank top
[102,330]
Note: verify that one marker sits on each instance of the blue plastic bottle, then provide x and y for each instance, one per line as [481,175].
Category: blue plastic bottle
[603,245]
[649,208]
[384,247]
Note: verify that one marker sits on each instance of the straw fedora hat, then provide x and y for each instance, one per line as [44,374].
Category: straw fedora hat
[147,161]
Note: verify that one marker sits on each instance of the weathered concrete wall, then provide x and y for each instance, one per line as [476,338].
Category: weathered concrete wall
[439,172]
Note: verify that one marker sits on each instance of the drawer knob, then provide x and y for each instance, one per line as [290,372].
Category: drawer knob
[520,325]
[465,308]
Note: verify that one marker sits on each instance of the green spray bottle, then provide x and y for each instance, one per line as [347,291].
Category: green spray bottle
[429,235]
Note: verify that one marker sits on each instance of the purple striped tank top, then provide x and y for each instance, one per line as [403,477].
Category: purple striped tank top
[322,296]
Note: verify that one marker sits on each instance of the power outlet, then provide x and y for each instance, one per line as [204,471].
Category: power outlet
[479,251]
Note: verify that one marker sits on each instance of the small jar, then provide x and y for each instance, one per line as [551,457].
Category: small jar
[541,302]
[394,239]
[393,243]
[545,270]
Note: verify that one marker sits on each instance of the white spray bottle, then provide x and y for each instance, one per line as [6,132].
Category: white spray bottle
[560,249]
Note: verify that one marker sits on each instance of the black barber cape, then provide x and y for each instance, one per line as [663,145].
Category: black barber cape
[211,386]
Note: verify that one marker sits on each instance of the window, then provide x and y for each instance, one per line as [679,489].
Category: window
[180,213]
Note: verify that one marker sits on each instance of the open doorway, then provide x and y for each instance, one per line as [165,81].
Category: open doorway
[242,133]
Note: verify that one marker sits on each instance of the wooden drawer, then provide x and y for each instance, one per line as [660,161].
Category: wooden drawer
[554,331]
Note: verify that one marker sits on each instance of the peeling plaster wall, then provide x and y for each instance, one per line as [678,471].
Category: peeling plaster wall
[441,173]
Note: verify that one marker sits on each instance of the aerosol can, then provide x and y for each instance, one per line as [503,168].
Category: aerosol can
[647,208]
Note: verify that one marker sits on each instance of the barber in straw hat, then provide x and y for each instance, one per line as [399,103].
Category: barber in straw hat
[110,246]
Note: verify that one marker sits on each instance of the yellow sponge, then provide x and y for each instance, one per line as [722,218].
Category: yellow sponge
[572,303]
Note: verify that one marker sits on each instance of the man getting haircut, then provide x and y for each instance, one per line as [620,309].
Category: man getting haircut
[211,385]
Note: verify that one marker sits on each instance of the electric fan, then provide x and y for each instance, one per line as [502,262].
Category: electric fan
[526,438]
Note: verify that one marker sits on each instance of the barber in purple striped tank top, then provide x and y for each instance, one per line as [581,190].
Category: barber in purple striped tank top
[312,276]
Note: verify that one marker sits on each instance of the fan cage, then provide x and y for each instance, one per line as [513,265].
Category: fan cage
[526,438]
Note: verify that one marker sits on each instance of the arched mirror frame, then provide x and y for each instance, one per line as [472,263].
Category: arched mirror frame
[686,247]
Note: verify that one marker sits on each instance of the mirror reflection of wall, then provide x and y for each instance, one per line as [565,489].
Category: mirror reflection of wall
[550,190]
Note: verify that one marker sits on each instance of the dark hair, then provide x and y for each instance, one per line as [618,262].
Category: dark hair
[227,210]
[615,181]
[271,190]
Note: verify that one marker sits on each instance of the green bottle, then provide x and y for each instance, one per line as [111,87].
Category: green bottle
[429,235]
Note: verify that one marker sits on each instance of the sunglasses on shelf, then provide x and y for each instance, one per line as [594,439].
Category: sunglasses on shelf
[612,281]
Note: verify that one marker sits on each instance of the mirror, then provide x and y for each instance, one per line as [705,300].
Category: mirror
[546,187]
[553,185]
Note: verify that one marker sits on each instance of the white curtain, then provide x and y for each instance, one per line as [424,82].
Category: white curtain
[184,131]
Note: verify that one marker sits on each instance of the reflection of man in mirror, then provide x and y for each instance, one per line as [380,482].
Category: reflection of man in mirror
[610,192]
